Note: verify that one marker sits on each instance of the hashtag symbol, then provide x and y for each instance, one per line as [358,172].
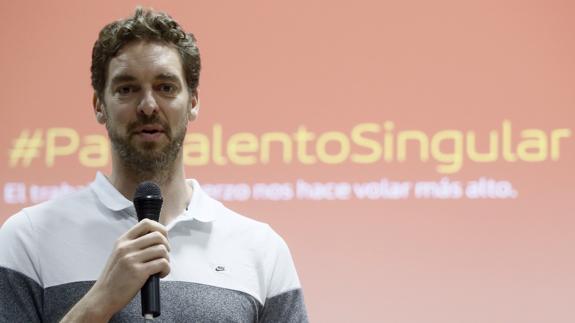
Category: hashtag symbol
[26,148]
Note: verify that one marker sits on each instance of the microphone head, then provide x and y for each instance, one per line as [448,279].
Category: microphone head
[148,201]
[147,188]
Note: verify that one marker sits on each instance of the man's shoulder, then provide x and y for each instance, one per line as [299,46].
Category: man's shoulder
[234,222]
[239,227]
[210,208]
[24,233]
[55,212]
[240,221]
[57,207]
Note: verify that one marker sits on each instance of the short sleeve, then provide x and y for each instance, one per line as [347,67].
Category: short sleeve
[21,294]
[284,300]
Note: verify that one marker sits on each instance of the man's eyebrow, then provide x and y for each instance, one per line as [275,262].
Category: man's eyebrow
[120,78]
[168,77]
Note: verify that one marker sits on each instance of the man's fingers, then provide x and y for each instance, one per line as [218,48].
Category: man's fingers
[157,266]
[150,254]
[144,248]
[151,239]
[145,226]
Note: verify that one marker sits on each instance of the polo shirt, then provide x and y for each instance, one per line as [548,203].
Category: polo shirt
[224,267]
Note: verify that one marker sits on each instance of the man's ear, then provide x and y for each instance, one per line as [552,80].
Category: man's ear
[99,109]
[194,106]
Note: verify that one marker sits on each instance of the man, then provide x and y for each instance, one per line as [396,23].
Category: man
[84,257]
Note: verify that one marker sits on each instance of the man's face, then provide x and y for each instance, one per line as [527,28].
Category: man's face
[146,105]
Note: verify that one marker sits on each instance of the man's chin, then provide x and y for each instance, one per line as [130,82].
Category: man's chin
[147,161]
[147,155]
[151,152]
[148,147]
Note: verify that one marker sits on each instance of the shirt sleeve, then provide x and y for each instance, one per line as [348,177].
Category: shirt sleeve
[284,301]
[21,294]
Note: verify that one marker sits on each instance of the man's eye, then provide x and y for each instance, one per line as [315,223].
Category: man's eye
[124,90]
[167,88]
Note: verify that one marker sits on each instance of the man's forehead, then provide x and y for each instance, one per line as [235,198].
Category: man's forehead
[145,59]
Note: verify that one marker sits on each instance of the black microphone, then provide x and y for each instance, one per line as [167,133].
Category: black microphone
[148,203]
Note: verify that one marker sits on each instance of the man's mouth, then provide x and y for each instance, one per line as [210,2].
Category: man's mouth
[149,131]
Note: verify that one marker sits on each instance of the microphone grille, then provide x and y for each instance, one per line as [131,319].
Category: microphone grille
[147,188]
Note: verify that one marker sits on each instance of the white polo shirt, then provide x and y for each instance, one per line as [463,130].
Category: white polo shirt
[224,266]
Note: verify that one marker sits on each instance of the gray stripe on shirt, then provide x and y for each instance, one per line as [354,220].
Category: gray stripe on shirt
[180,302]
[20,297]
[24,300]
[286,307]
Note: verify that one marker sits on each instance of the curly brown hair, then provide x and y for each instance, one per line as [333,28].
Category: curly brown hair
[146,25]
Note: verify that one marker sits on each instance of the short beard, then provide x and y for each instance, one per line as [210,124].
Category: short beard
[145,163]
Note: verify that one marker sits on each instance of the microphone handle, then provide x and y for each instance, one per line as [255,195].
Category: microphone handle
[151,296]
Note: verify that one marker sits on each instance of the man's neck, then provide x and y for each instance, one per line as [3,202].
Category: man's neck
[175,191]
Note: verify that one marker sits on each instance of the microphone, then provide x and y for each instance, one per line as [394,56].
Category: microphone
[148,203]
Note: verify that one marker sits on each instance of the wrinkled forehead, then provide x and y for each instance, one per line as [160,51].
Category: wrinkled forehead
[145,61]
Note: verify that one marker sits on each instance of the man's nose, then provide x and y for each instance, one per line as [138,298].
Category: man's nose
[148,104]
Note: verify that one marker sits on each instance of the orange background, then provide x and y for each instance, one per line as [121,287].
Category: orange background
[426,65]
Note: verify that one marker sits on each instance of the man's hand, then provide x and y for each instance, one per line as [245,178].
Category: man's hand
[138,254]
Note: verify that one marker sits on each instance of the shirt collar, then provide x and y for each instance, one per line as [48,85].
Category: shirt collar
[201,206]
[108,194]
